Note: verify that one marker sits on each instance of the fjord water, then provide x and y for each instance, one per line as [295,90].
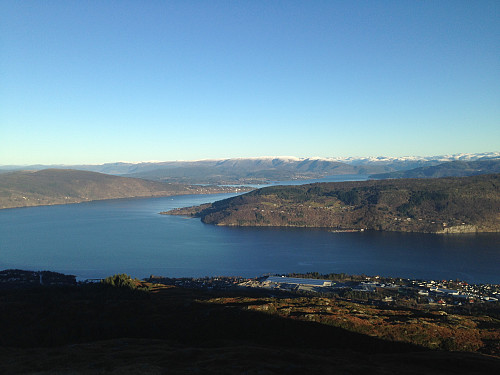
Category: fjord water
[98,239]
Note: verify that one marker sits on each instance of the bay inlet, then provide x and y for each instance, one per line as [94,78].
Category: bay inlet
[101,238]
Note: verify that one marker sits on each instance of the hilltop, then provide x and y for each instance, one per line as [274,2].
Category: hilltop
[61,186]
[447,205]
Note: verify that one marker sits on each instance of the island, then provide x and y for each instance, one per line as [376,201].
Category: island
[438,205]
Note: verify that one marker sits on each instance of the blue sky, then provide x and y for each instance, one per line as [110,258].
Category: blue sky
[104,81]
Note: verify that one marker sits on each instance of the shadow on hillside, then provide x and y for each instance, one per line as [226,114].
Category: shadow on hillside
[61,316]
[76,323]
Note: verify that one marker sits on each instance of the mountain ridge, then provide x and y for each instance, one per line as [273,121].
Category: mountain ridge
[262,170]
[348,159]
[123,165]
[456,168]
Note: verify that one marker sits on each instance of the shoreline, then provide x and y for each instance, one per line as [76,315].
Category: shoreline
[79,201]
[458,229]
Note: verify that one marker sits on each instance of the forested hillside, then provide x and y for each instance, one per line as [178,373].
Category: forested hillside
[469,204]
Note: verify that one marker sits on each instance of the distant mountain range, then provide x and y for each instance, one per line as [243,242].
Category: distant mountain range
[264,169]
[61,186]
[455,168]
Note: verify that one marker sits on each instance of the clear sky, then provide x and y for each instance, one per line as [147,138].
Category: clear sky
[103,81]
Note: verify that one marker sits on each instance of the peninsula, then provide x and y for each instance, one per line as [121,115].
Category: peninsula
[439,205]
[63,186]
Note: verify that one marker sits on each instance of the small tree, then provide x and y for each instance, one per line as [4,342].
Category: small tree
[121,281]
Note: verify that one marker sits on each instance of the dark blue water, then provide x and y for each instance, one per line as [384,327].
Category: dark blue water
[98,239]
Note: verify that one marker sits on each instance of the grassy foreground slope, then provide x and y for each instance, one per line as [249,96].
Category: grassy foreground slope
[449,205]
[155,329]
[58,186]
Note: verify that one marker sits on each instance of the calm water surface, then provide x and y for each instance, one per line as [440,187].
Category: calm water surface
[98,239]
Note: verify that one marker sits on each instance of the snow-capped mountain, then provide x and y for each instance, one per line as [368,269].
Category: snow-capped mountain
[417,159]
[268,168]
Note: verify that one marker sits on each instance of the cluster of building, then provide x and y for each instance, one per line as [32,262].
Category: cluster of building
[293,284]
[431,292]
[456,290]
[373,289]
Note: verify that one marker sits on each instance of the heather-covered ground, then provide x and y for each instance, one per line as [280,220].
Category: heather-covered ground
[140,328]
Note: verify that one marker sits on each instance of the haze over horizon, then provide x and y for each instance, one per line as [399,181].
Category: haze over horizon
[96,82]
